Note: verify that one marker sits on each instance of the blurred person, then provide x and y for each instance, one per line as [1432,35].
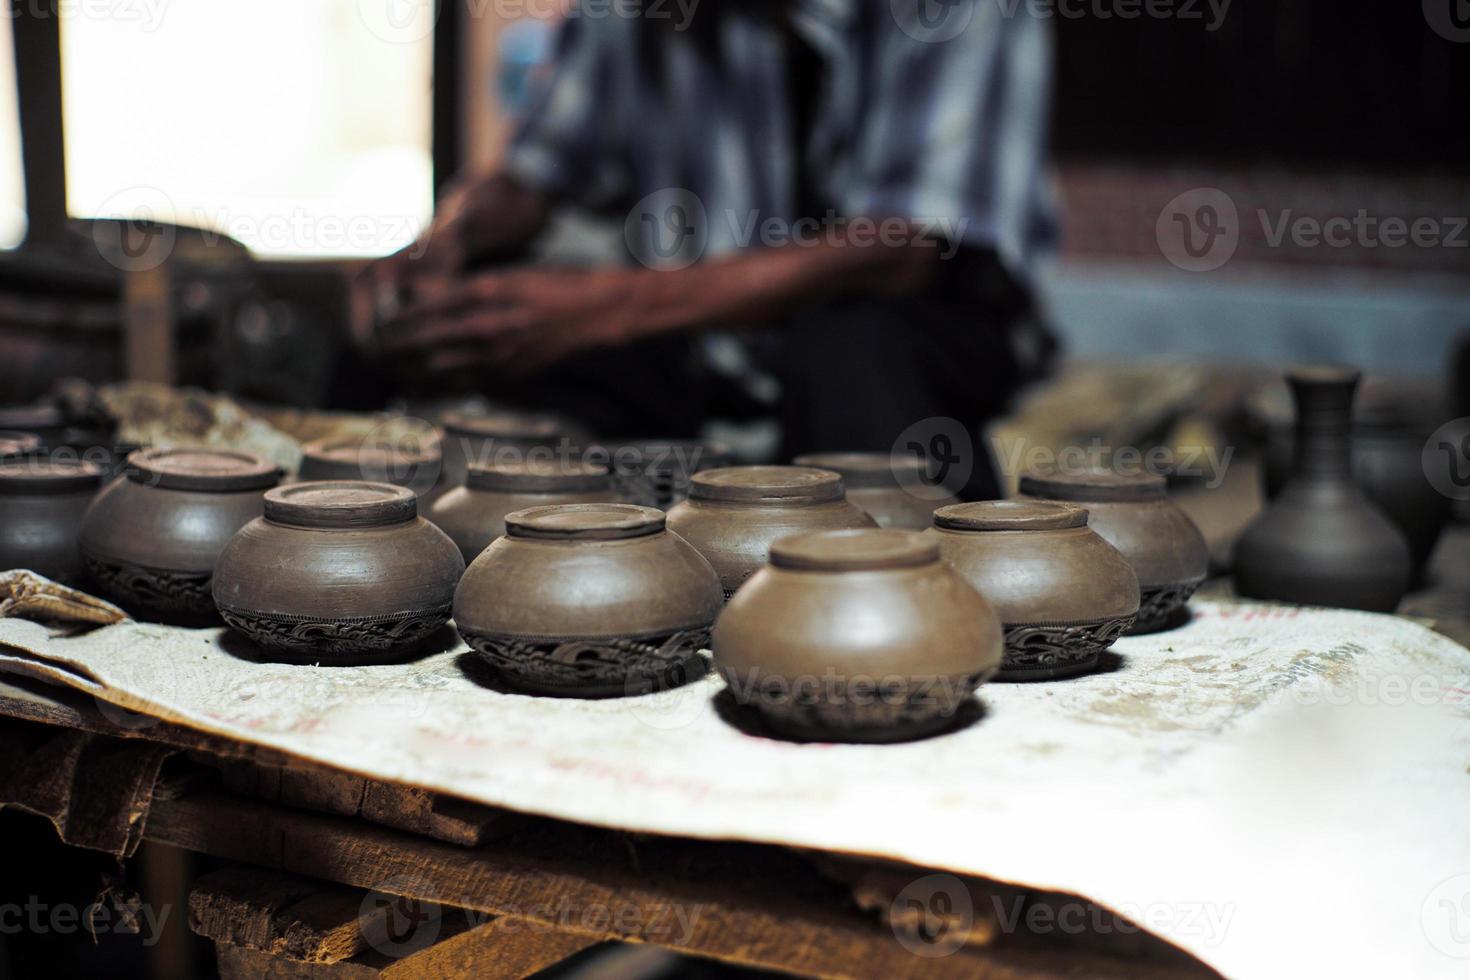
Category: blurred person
[855,189]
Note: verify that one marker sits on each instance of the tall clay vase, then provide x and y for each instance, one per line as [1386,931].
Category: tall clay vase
[1322,542]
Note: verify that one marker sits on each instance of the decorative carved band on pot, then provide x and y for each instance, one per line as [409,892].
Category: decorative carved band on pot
[857,635]
[733,515]
[589,600]
[338,572]
[42,504]
[1063,594]
[897,491]
[474,515]
[1133,513]
[150,540]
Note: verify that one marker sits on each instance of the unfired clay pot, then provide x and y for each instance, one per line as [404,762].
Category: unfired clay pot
[733,515]
[474,515]
[1322,542]
[338,572]
[656,472]
[894,490]
[1133,513]
[150,540]
[501,437]
[861,635]
[588,600]
[1063,594]
[413,464]
[42,503]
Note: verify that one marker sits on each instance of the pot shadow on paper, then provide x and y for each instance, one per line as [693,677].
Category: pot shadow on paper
[440,641]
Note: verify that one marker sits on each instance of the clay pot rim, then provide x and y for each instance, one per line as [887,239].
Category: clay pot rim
[861,470]
[13,442]
[1319,374]
[1093,484]
[347,450]
[766,484]
[502,425]
[341,505]
[584,522]
[168,469]
[26,475]
[855,549]
[1010,515]
[534,476]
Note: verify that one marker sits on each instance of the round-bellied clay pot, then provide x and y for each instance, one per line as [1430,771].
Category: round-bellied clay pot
[151,538]
[734,514]
[42,503]
[415,464]
[656,472]
[1063,594]
[895,490]
[1133,513]
[1322,542]
[338,572]
[861,635]
[500,437]
[474,515]
[588,600]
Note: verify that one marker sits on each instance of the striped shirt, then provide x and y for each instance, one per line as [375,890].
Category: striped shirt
[680,117]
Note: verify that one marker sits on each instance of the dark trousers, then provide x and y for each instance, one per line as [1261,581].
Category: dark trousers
[901,374]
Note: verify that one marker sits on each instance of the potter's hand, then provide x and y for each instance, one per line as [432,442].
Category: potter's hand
[483,221]
[516,322]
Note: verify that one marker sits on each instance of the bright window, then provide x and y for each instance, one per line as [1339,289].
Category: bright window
[299,128]
[12,176]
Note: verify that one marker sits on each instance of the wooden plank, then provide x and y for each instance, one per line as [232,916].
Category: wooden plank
[279,914]
[747,904]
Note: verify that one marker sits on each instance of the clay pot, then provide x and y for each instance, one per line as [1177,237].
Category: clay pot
[415,464]
[733,515]
[474,515]
[656,473]
[150,540]
[1322,542]
[338,572]
[861,635]
[42,503]
[1133,513]
[1063,594]
[896,491]
[1389,466]
[14,444]
[502,437]
[588,600]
